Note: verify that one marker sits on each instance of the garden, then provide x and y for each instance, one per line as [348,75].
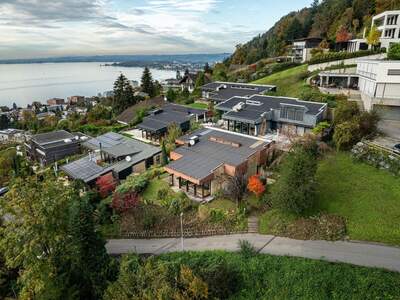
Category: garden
[145,206]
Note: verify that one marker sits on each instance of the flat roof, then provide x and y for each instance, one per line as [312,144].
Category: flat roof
[215,148]
[257,105]
[51,137]
[221,91]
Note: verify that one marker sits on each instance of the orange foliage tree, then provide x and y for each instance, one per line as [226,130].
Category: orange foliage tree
[255,185]
[342,35]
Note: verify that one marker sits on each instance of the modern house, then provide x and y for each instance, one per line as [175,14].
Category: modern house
[155,125]
[257,115]
[50,147]
[115,153]
[379,85]
[11,135]
[301,49]
[221,91]
[208,157]
[388,23]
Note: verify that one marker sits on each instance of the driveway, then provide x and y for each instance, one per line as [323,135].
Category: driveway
[390,128]
[362,254]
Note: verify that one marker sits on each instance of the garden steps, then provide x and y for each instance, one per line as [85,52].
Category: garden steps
[252,225]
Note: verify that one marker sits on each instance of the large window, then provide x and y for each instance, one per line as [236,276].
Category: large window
[292,113]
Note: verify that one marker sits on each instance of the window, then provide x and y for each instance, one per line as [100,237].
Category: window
[394,72]
[292,113]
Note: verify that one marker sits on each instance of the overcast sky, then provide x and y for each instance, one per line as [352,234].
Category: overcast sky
[43,28]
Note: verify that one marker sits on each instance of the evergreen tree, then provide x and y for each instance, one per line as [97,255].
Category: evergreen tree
[119,102]
[4,122]
[207,69]
[147,83]
[90,261]
[164,154]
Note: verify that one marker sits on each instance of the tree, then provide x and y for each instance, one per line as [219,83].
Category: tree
[324,44]
[123,94]
[155,280]
[346,134]
[90,262]
[345,111]
[294,191]
[207,69]
[171,95]
[373,38]
[147,83]
[255,185]
[4,122]
[294,30]
[174,131]
[394,51]
[235,187]
[99,112]
[106,184]
[342,35]
[164,154]
[41,211]
[201,80]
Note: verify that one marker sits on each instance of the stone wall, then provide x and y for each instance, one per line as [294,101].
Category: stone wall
[377,157]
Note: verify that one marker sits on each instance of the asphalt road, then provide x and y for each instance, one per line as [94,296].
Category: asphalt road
[362,254]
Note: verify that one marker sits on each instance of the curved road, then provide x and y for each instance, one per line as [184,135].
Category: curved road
[362,254]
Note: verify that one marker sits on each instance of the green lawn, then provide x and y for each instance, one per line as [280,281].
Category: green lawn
[198,105]
[368,198]
[290,82]
[224,204]
[150,194]
[276,277]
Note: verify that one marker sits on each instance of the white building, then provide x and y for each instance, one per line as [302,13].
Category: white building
[379,84]
[301,49]
[388,23]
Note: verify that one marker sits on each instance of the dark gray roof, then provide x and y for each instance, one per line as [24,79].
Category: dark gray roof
[117,145]
[161,119]
[257,105]
[200,160]
[85,169]
[221,91]
[172,107]
[51,137]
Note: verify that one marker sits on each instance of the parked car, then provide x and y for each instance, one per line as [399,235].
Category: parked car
[396,148]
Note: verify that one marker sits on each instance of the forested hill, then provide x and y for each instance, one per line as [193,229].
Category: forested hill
[324,18]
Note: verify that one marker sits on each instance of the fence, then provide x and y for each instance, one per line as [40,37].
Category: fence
[149,234]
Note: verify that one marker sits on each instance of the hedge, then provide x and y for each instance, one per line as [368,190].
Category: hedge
[333,56]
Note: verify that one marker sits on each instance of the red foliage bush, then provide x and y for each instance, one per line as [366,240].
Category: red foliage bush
[255,185]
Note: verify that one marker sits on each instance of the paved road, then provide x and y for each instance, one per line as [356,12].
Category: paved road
[368,255]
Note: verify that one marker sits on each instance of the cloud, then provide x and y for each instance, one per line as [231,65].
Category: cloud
[87,27]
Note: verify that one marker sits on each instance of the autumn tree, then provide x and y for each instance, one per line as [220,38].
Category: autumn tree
[255,185]
[106,184]
[342,35]
[373,38]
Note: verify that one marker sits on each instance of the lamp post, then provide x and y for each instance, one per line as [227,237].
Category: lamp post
[182,248]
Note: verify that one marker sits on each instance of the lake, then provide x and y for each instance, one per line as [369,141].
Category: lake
[25,83]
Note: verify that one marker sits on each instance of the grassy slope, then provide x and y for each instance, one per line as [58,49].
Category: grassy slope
[198,105]
[289,82]
[368,198]
[155,185]
[270,277]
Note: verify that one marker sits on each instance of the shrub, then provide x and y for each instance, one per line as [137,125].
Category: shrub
[162,194]
[149,220]
[247,250]
[394,51]
[333,56]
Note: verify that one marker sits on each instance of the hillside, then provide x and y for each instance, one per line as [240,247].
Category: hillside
[322,19]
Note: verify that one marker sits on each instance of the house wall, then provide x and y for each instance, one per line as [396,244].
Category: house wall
[139,168]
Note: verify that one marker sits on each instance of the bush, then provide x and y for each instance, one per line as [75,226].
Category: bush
[333,56]
[247,250]
[394,51]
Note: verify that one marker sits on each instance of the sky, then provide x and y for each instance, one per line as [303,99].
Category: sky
[48,28]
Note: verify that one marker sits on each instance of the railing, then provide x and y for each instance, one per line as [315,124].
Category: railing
[149,234]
